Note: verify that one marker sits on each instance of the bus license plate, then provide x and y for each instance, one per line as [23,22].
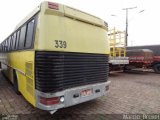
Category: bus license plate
[87,92]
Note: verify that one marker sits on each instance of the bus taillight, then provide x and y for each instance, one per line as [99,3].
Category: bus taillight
[50,101]
[53,6]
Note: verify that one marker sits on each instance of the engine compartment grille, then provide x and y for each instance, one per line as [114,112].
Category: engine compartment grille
[56,71]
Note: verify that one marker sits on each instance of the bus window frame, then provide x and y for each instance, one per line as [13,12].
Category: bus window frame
[16,47]
[14,40]
[28,35]
[22,37]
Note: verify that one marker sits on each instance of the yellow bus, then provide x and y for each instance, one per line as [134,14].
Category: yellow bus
[57,57]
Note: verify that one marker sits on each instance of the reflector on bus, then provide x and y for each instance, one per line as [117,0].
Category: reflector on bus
[53,6]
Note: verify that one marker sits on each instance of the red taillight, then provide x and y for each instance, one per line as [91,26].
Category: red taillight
[49,101]
[53,6]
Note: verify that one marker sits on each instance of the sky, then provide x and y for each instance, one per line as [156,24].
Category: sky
[143,28]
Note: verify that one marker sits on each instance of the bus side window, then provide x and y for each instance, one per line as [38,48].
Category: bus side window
[17,40]
[29,34]
[6,45]
[14,41]
[3,47]
[22,37]
[0,48]
[11,43]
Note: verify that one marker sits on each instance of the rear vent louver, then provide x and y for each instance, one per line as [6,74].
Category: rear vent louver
[56,71]
[29,77]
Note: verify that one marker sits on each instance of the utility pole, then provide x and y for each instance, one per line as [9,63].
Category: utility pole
[126,9]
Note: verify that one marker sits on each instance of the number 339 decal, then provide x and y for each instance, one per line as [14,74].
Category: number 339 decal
[60,44]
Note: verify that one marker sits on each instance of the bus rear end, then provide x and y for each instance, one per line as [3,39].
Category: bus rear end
[71,57]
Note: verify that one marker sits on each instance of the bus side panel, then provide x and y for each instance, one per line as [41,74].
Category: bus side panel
[9,73]
[6,69]
[23,63]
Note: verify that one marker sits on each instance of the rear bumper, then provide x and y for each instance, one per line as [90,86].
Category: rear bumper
[69,99]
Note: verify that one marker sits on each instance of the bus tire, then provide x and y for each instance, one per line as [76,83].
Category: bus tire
[157,68]
[15,83]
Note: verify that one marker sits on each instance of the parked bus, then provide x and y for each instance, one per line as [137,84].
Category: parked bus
[57,57]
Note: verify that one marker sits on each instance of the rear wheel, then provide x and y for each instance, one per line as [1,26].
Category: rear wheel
[15,83]
[157,68]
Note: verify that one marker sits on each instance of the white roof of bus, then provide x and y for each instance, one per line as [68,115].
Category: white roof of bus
[82,16]
[28,17]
